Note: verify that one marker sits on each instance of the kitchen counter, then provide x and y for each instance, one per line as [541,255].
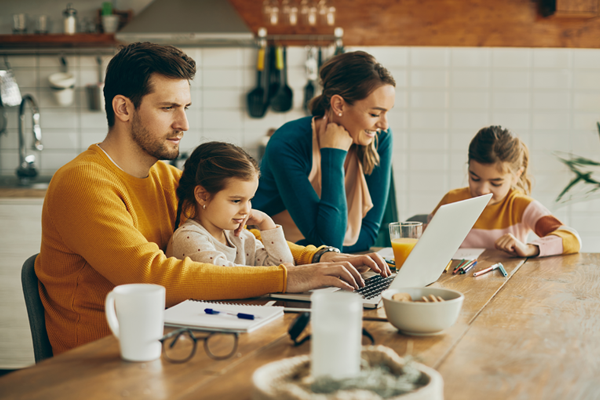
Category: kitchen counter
[27,193]
[35,188]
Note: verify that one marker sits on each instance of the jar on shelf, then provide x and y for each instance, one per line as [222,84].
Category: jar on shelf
[70,20]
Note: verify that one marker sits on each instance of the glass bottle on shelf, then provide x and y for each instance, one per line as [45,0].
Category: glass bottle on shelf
[70,20]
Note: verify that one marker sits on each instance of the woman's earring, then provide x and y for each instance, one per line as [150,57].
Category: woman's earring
[204,206]
[340,114]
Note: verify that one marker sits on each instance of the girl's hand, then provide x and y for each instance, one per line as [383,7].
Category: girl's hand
[240,228]
[260,219]
[513,246]
[334,136]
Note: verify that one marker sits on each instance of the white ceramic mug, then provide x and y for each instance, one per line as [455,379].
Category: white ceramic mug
[336,334]
[138,322]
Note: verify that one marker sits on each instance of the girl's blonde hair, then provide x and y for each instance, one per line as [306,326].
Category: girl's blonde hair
[494,144]
[211,165]
[354,76]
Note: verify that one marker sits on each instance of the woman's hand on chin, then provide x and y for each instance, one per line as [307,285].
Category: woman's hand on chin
[334,136]
[373,261]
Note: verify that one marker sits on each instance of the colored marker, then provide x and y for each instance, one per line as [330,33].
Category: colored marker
[464,271]
[501,268]
[467,265]
[448,266]
[459,265]
[485,271]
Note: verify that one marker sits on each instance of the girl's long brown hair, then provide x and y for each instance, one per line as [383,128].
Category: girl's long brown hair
[494,144]
[353,76]
[211,165]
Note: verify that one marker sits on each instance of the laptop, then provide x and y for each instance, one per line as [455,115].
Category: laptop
[426,262]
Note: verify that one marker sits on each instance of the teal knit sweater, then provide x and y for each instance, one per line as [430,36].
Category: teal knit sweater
[284,185]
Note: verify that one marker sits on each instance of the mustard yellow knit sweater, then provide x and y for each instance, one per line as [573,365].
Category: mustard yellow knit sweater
[102,227]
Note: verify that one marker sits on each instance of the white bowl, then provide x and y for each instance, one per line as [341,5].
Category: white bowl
[422,319]
[62,80]
[287,378]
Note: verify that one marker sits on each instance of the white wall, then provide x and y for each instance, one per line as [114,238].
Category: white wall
[549,97]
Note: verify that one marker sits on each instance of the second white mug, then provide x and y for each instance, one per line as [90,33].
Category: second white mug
[135,315]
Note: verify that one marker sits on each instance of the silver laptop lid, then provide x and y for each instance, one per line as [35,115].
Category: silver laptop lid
[444,234]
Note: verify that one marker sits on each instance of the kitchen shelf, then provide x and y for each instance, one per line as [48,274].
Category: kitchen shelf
[78,40]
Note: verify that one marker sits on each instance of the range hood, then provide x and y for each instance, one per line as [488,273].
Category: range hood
[202,23]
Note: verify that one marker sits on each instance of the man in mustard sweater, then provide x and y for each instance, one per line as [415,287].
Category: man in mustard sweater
[109,213]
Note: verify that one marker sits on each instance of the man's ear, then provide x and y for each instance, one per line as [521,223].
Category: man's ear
[122,107]
[201,195]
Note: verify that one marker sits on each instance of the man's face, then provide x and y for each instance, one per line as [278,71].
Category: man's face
[158,124]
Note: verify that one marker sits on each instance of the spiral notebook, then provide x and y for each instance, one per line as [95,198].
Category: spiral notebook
[191,314]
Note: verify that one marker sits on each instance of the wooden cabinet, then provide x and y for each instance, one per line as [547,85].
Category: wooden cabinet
[20,237]
[506,23]
[577,8]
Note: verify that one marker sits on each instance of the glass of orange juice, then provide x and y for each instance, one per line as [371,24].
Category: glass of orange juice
[404,236]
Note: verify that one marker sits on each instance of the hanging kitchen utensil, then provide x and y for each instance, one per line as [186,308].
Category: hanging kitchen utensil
[274,74]
[257,103]
[283,99]
[339,44]
[3,121]
[95,91]
[311,75]
[9,90]
[62,84]
[10,95]
[320,58]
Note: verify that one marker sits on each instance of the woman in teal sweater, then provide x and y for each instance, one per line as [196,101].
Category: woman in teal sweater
[325,179]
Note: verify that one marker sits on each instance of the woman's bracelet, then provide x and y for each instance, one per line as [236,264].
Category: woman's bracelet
[326,249]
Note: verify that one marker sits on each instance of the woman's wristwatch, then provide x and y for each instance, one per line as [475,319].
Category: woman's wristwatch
[326,249]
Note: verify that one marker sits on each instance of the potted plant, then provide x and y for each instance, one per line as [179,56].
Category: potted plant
[585,185]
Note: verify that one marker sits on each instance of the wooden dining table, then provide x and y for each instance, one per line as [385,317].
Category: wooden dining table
[534,334]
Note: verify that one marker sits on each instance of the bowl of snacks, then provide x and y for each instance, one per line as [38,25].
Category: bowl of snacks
[422,311]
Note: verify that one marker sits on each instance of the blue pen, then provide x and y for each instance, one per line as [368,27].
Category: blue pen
[239,315]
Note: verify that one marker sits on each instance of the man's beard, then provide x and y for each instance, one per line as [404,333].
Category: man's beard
[152,146]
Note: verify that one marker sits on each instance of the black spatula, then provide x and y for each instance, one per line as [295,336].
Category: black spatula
[257,104]
[283,99]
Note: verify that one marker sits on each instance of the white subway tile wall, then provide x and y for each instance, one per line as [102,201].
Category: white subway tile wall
[549,97]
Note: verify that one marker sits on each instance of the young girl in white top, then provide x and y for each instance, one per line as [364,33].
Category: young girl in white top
[215,191]
[498,163]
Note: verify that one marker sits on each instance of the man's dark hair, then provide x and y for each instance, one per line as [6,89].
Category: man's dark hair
[129,72]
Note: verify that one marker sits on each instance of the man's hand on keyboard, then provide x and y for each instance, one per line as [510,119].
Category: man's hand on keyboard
[361,262]
[342,274]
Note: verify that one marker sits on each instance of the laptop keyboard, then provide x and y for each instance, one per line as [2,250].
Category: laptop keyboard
[374,286]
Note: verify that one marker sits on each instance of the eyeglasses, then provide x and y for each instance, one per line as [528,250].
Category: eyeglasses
[180,345]
[299,324]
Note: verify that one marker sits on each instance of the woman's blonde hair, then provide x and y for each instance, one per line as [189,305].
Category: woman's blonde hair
[353,76]
[494,144]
